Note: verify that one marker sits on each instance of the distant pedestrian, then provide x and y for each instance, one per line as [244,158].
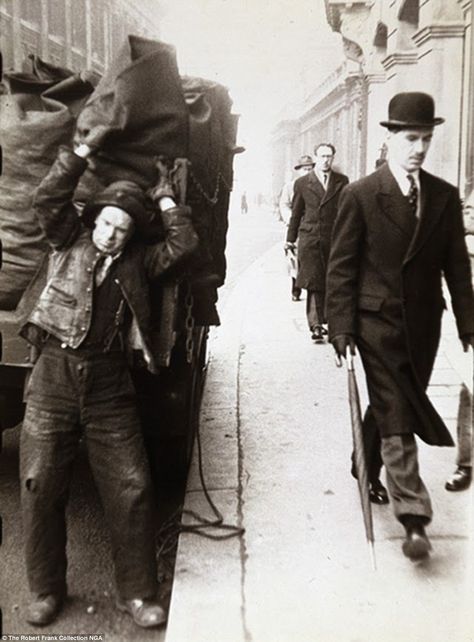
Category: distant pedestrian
[244,208]
[312,218]
[462,476]
[303,166]
[398,231]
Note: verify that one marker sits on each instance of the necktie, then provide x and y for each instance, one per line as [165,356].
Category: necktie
[325,179]
[102,267]
[412,194]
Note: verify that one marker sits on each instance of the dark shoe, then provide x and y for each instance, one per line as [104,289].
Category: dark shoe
[145,613]
[416,545]
[378,493]
[460,479]
[44,609]
[295,297]
[317,334]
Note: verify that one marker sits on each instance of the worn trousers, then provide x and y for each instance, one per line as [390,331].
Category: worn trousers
[72,395]
[464,429]
[315,308]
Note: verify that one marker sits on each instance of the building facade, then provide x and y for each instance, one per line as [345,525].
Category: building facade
[391,46]
[78,34]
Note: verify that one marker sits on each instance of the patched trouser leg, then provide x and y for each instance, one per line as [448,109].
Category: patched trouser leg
[48,446]
[407,491]
[120,467]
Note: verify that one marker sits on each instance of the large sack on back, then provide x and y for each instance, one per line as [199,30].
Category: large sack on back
[140,100]
[149,111]
[36,116]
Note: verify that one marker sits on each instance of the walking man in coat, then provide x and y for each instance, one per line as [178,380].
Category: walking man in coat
[304,165]
[95,300]
[398,231]
[313,214]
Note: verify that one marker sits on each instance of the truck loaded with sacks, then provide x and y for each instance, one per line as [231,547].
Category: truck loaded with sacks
[158,123]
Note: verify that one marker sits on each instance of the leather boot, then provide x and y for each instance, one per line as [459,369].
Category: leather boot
[416,545]
[145,613]
[44,609]
[460,479]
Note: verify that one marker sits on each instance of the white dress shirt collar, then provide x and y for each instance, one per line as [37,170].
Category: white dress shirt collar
[320,177]
[400,176]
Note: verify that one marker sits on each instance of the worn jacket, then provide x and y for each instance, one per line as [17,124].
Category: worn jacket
[65,306]
[312,218]
[385,288]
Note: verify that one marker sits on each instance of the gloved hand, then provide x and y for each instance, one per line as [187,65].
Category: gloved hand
[341,342]
[93,138]
[164,186]
[290,247]
[467,340]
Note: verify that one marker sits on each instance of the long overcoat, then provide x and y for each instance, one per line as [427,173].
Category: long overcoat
[385,287]
[313,213]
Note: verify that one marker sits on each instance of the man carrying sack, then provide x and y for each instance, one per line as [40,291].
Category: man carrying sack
[94,307]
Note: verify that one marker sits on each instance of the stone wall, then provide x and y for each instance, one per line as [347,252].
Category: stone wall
[393,46]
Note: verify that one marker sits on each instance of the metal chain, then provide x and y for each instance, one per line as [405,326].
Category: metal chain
[189,323]
[210,199]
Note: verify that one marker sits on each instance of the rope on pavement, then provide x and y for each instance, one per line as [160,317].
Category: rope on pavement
[203,523]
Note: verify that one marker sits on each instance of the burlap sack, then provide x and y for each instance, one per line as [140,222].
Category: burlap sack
[36,116]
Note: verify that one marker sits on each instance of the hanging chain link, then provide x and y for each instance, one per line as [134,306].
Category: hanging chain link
[189,324]
[212,200]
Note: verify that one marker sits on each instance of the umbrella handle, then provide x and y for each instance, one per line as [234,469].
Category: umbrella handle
[349,361]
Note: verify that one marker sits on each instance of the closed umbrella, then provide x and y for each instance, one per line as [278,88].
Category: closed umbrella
[359,455]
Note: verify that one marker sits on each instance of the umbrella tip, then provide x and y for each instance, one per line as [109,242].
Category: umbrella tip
[372,556]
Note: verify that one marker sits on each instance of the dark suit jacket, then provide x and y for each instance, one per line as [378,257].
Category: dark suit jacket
[313,214]
[385,287]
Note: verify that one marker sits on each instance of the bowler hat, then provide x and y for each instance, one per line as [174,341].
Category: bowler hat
[126,195]
[304,160]
[411,109]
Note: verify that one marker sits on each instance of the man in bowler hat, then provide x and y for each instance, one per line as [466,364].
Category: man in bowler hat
[313,214]
[304,165]
[398,231]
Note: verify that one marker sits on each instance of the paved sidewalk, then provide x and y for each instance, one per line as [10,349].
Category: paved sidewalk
[276,446]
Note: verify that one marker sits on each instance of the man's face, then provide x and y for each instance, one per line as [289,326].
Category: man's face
[113,228]
[304,169]
[324,158]
[408,147]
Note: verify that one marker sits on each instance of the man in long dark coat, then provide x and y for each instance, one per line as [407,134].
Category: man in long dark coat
[313,212]
[398,231]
